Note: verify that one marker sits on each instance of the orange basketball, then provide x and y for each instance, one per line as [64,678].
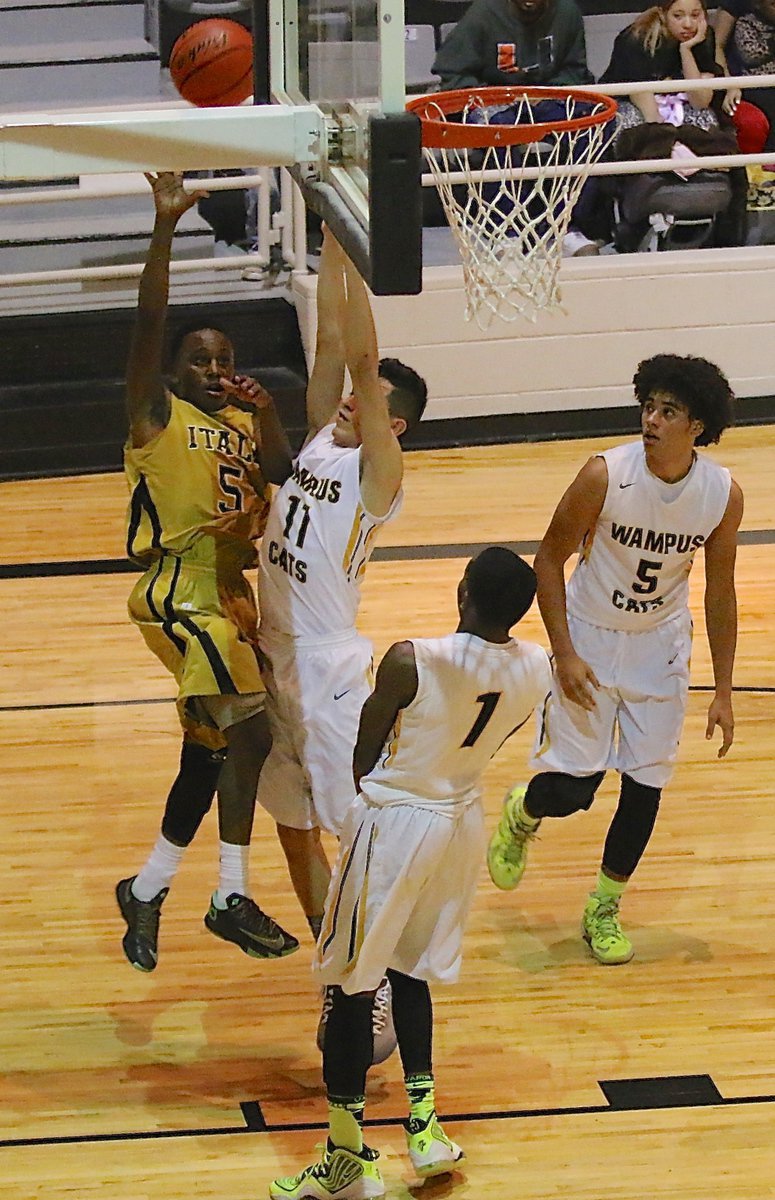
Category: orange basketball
[211,63]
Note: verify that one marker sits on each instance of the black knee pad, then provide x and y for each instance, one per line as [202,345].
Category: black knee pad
[191,795]
[639,795]
[553,794]
[631,827]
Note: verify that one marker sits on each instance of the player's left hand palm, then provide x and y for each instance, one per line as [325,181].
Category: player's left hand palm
[720,714]
[170,196]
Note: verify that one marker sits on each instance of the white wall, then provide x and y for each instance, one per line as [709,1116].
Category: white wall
[619,309]
[600,29]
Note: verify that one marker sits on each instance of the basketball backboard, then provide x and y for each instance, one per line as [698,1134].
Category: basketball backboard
[330,92]
[347,58]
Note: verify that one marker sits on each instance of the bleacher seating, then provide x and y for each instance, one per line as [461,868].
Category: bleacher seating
[420,47]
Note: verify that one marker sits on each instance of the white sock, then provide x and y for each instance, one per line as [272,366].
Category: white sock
[233,874]
[159,870]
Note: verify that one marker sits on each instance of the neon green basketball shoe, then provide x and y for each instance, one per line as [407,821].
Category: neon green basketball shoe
[340,1175]
[602,931]
[507,852]
[431,1151]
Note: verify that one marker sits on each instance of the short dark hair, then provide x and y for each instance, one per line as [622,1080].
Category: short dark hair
[410,391]
[500,585]
[698,384]
[177,336]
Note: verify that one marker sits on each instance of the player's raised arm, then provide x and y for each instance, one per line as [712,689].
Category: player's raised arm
[395,687]
[382,464]
[721,615]
[146,397]
[326,383]
[573,518]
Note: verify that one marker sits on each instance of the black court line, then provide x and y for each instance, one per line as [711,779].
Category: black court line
[316,1126]
[9,708]
[83,704]
[122,566]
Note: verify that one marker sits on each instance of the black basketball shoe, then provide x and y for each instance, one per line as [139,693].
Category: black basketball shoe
[141,939]
[243,923]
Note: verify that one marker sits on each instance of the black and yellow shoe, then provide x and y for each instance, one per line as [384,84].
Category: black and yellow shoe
[243,923]
[141,940]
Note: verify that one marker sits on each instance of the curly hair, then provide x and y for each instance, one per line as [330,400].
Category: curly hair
[694,382]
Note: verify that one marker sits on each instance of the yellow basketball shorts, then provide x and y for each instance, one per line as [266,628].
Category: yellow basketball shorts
[203,629]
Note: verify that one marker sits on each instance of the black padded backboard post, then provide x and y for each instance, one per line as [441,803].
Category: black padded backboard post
[395,205]
[389,255]
[261,93]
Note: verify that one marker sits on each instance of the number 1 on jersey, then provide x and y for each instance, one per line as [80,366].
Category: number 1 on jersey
[301,533]
[488,701]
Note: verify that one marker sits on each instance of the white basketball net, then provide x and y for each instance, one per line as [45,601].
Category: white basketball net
[510,229]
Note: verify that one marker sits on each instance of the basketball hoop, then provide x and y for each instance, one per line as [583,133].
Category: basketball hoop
[509,164]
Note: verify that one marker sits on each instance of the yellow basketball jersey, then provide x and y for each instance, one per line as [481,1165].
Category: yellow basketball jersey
[197,490]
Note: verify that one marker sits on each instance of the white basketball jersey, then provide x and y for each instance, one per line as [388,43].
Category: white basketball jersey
[317,542]
[633,569]
[471,696]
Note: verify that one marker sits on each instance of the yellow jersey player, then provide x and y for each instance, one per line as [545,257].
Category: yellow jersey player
[198,458]
[410,857]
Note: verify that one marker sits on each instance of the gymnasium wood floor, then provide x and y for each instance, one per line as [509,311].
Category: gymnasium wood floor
[202,1080]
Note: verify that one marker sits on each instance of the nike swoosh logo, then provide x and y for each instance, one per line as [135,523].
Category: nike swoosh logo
[626,485]
[270,941]
[338,695]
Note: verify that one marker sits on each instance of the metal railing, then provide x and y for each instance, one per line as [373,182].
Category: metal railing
[285,227]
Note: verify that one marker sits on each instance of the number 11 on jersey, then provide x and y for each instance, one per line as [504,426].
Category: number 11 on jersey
[293,507]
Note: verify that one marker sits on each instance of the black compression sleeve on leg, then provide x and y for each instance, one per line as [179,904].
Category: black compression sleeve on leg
[191,795]
[413,1020]
[553,794]
[348,1046]
[631,827]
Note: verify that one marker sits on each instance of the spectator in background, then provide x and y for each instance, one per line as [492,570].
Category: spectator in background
[498,43]
[753,40]
[503,43]
[751,124]
[670,40]
[727,13]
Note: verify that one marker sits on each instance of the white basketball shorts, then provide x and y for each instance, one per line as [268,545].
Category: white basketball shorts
[401,891]
[314,699]
[639,709]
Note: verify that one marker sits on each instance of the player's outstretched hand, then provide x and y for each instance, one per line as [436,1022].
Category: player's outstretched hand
[246,393]
[577,680]
[169,195]
[720,713]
